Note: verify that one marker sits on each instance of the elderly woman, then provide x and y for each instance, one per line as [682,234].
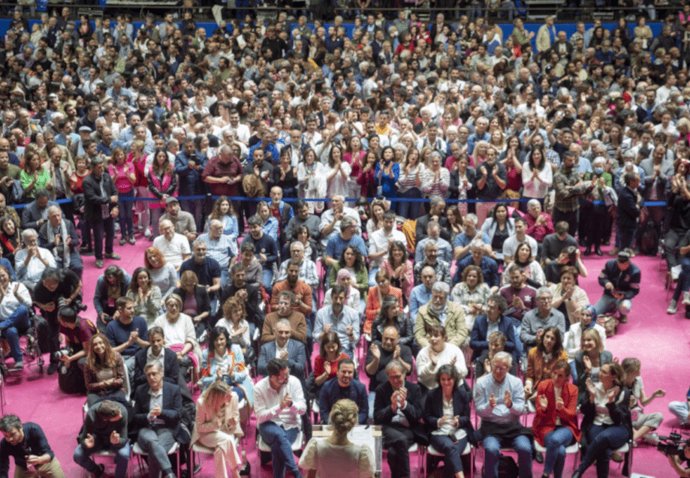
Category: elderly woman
[104,373]
[179,332]
[542,358]
[15,304]
[439,352]
[352,296]
[471,294]
[555,423]
[163,274]
[376,296]
[110,286]
[436,178]
[146,295]
[607,424]
[589,360]
[568,297]
[322,456]
[447,417]
[217,426]
[195,301]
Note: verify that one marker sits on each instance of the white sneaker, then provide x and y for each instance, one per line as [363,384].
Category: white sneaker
[651,439]
[147,233]
[686,298]
[672,307]
[675,272]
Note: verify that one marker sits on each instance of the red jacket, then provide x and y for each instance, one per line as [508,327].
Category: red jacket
[545,420]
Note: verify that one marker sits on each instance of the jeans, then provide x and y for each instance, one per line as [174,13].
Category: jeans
[280,440]
[609,303]
[125,204]
[683,284]
[492,448]
[267,279]
[602,440]
[103,227]
[556,443]
[17,323]
[451,449]
[82,457]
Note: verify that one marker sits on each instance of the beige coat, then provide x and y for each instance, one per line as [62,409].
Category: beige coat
[456,330]
[206,422]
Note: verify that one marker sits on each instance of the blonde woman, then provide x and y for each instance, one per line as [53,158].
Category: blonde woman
[217,426]
[324,455]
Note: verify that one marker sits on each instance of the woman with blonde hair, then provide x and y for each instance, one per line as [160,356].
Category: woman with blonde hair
[217,426]
[324,455]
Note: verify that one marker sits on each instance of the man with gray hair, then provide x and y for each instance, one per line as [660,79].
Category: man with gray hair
[348,237]
[331,218]
[461,243]
[441,267]
[182,220]
[499,398]
[537,320]
[439,311]
[219,246]
[60,236]
[31,260]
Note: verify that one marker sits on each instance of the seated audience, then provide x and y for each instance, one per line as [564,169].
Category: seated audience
[105,373]
[285,348]
[195,301]
[376,296]
[279,406]
[620,279]
[438,353]
[340,318]
[217,426]
[147,297]
[589,361]
[439,311]
[15,311]
[110,286]
[344,385]
[542,358]
[163,273]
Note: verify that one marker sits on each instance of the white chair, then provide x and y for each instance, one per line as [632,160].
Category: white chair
[573,449]
[174,450]
[431,451]
[265,449]
[202,450]
[101,454]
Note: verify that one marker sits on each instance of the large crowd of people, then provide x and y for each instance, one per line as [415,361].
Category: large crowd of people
[415,199]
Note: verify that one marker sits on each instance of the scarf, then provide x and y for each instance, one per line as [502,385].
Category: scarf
[62,231]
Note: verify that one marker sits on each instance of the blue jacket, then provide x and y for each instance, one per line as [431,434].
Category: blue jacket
[331,392]
[297,357]
[189,179]
[479,340]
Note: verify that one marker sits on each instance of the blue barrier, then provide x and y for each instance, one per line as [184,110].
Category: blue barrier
[292,200]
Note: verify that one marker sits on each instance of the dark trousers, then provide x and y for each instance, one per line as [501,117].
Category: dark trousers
[593,225]
[625,235]
[100,228]
[397,440]
[602,441]
[451,449]
[571,217]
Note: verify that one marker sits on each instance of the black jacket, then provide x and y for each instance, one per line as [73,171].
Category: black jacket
[95,198]
[433,410]
[171,372]
[383,414]
[628,211]
[170,413]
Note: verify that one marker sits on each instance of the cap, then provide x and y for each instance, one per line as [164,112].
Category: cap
[85,129]
[623,256]
[171,200]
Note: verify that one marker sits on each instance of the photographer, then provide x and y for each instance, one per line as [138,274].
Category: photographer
[676,460]
[55,289]
[77,332]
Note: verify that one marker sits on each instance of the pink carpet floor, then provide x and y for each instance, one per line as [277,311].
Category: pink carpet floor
[660,341]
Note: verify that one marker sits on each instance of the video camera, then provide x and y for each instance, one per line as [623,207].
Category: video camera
[672,445]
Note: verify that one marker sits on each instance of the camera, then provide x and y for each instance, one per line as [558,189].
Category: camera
[76,304]
[672,445]
[61,353]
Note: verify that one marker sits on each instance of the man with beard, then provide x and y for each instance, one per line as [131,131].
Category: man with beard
[439,311]
[300,289]
[266,250]
[339,318]
[283,310]
[344,385]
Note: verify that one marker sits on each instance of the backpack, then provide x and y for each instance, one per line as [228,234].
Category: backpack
[648,242]
[71,380]
[507,468]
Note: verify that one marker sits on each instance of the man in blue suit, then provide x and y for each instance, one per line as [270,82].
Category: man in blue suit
[157,406]
[284,348]
[491,321]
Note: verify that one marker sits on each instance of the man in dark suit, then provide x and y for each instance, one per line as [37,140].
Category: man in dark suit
[249,294]
[35,214]
[101,210]
[284,348]
[157,407]
[59,236]
[156,352]
[437,206]
[628,211]
[398,409]
[479,336]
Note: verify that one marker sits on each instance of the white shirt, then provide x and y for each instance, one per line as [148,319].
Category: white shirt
[10,302]
[33,271]
[173,250]
[267,403]
[379,241]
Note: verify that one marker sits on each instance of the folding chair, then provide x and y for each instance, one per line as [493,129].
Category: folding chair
[265,449]
[433,452]
[174,450]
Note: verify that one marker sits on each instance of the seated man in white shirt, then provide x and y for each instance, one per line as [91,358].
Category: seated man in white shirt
[31,260]
[174,246]
[279,404]
[379,244]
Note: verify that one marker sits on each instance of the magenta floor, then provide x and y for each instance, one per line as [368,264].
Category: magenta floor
[660,341]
